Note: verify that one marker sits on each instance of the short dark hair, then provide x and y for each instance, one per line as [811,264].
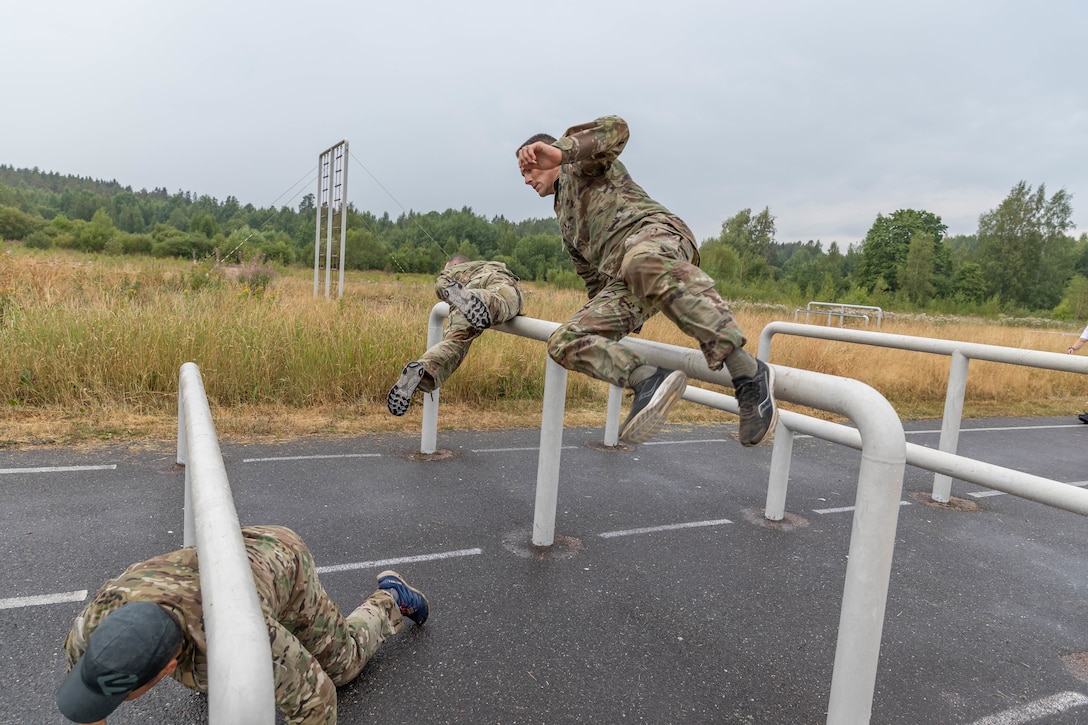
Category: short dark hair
[545,137]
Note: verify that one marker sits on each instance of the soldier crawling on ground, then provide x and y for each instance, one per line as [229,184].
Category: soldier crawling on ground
[148,623]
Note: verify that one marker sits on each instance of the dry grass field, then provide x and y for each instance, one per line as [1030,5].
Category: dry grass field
[90,348]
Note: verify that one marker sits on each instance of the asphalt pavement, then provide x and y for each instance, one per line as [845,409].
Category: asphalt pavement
[667,597]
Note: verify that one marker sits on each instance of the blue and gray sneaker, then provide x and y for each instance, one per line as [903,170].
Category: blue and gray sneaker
[412,602]
[469,305]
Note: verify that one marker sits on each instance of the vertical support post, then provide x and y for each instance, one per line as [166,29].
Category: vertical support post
[865,593]
[428,441]
[612,416]
[950,424]
[317,225]
[343,216]
[328,247]
[781,458]
[551,446]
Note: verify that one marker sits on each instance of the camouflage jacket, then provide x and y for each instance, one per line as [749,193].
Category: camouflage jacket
[173,582]
[599,205]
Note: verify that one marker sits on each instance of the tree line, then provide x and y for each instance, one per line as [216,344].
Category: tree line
[1021,260]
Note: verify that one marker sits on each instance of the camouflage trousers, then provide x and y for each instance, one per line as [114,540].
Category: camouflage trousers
[315,648]
[504,300]
[659,273]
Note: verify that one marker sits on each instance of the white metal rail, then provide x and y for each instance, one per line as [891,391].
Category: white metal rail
[876,514]
[240,684]
[960,352]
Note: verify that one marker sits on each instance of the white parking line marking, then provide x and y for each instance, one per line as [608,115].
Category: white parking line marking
[667,527]
[843,509]
[312,458]
[382,563]
[59,469]
[16,602]
[673,443]
[1035,710]
[511,450]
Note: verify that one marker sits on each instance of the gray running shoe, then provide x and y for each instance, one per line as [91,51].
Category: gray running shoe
[469,305]
[758,411]
[400,395]
[654,398]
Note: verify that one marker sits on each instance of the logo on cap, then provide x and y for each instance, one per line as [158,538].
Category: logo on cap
[116,683]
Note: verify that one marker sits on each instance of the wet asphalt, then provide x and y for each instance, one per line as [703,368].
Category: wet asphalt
[667,597]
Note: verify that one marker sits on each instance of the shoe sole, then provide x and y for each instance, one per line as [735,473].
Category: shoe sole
[400,395]
[650,419]
[390,572]
[469,305]
[774,411]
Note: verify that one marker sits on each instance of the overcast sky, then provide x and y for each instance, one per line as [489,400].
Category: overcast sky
[827,112]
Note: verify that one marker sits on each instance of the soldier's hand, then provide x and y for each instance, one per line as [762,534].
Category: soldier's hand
[539,155]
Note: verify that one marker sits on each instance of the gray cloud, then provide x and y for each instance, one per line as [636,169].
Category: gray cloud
[829,113]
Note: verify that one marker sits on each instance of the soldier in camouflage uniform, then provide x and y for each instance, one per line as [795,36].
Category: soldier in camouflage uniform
[480,294]
[636,258]
[314,647]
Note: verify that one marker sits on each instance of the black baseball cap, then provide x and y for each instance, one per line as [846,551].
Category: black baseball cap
[127,650]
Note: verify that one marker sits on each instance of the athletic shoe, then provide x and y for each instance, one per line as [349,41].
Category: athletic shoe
[469,305]
[758,412]
[1083,417]
[412,602]
[654,398]
[400,395]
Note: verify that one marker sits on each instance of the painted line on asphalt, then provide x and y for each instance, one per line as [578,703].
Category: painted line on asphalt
[987,494]
[312,458]
[1053,705]
[59,469]
[512,450]
[16,602]
[696,440]
[382,563]
[667,527]
[843,509]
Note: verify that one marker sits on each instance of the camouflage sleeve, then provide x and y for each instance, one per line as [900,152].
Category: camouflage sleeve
[304,693]
[592,147]
[589,273]
[75,644]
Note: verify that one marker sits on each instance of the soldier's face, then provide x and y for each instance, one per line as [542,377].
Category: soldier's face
[542,180]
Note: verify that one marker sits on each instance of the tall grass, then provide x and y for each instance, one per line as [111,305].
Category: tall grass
[90,340]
